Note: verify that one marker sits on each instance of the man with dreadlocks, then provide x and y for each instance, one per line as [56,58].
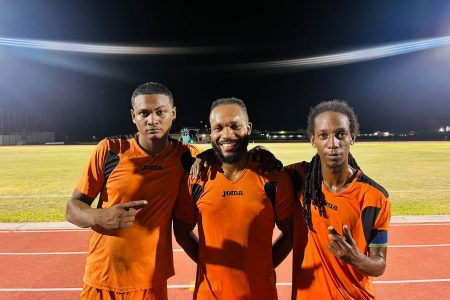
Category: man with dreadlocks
[342,216]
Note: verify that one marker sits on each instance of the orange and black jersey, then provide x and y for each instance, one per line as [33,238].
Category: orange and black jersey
[235,226]
[364,207]
[136,258]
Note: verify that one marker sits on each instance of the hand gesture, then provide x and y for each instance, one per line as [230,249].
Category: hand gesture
[343,247]
[269,163]
[203,161]
[119,216]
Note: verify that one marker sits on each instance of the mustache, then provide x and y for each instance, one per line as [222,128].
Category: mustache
[237,154]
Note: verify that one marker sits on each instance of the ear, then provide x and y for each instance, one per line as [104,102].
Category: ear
[353,139]
[132,116]
[312,140]
[174,113]
[249,127]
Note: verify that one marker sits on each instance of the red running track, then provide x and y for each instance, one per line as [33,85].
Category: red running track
[48,264]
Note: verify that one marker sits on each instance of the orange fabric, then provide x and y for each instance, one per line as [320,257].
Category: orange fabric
[158,292]
[235,225]
[138,257]
[317,273]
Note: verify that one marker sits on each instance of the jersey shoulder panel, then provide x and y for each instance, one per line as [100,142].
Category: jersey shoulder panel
[363,178]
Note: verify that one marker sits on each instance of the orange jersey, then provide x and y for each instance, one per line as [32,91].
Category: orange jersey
[235,225]
[136,258]
[317,273]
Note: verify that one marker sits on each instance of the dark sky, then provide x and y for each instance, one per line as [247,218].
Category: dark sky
[87,94]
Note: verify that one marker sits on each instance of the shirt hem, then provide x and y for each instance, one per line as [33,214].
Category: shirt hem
[128,289]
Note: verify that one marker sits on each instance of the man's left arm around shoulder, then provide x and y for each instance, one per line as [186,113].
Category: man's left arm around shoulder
[186,238]
[283,244]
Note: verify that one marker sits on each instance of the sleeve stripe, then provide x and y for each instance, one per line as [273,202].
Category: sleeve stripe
[380,239]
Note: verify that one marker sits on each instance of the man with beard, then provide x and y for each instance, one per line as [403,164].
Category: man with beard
[236,209]
[130,245]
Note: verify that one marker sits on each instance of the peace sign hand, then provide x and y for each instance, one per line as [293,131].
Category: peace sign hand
[343,247]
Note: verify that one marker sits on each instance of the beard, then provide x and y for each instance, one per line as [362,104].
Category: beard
[234,156]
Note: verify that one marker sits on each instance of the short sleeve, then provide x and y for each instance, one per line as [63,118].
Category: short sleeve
[92,178]
[284,201]
[185,209]
[384,217]
[378,214]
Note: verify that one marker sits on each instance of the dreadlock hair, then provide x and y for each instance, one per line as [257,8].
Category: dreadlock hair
[151,88]
[312,188]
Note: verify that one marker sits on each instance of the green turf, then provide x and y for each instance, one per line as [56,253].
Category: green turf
[36,181]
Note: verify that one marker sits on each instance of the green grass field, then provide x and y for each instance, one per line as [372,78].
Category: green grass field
[36,181]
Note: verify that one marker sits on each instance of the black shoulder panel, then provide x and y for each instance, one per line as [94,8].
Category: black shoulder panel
[364,178]
[111,162]
[368,216]
[271,191]
[186,160]
[196,191]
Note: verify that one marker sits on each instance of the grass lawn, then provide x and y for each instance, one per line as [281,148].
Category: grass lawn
[36,181]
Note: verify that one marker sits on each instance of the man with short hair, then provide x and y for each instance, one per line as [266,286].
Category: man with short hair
[236,208]
[342,216]
[130,245]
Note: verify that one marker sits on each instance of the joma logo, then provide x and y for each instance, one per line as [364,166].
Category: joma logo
[152,168]
[329,205]
[232,193]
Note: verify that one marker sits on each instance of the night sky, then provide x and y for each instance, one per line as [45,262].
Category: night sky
[87,94]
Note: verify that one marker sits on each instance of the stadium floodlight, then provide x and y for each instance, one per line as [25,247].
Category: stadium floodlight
[110,49]
[335,59]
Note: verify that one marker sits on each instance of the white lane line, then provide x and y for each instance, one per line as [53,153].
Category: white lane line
[418,224]
[186,286]
[411,223]
[181,250]
[418,246]
[411,281]
[41,253]
[418,191]
[40,290]
[58,253]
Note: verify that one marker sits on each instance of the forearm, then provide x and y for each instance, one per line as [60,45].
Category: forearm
[186,239]
[283,244]
[80,214]
[281,249]
[190,246]
[372,265]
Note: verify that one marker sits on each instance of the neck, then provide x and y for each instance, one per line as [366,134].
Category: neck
[153,146]
[336,179]
[232,171]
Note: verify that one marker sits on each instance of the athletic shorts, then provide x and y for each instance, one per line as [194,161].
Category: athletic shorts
[154,293]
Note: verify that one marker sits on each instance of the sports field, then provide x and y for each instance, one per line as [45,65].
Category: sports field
[36,181]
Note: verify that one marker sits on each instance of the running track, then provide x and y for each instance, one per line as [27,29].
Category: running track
[47,263]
